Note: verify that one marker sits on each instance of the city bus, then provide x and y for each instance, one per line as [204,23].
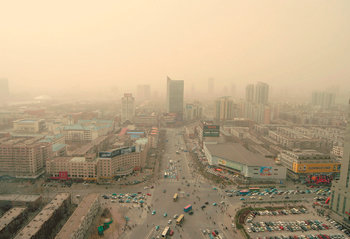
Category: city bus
[165,232]
[175,197]
[188,208]
[180,219]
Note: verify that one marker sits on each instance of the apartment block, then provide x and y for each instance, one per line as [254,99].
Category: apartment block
[11,220]
[79,222]
[23,157]
[41,225]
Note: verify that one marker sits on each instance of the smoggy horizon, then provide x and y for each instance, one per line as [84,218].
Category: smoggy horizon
[91,46]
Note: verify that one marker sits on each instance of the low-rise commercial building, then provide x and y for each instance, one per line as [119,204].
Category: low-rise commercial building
[72,168]
[235,158]
[41,225]
[302,163]
[118,162]
[79,222]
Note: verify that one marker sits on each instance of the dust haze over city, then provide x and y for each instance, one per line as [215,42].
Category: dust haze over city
[175,119]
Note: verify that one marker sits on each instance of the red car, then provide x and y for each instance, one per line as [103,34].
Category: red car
[214,234]
[171,232]
[148,194]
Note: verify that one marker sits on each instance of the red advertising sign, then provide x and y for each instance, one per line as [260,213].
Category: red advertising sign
[63,175]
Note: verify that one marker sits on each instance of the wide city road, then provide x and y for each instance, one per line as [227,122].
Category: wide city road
[191,190]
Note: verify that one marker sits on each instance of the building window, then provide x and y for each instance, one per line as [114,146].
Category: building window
[338,200]
[344,202]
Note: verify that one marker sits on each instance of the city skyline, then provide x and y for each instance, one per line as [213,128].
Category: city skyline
[262,41]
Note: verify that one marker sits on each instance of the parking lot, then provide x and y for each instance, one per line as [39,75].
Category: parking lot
[294,223]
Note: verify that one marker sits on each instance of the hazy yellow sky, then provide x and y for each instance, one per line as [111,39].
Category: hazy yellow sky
[102,44]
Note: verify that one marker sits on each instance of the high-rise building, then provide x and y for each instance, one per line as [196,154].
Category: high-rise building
[128,108]
[224,109]
[143,92]
[4,88]
[323,99]
[340,196]
[175,97]
[261,93]
[255,105]
[193,111]
[249,93]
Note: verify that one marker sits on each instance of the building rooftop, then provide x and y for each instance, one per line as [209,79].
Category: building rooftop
[45,214]
[20,140]
[74,127]
[78,160]
[77,217]
[27,121]
[9,216]
[57,147]
[72,160]
[141,141]
[19,197]
[237,153]
[51,138]
[123,131]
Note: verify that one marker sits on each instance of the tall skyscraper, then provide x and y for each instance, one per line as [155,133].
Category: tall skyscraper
[143,92]
[261,93]
[175,97]
[4,88]
[128,108]
[224,109]
[249,93]
[340,196]
[256,103]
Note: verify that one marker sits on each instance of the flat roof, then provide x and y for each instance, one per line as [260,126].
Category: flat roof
[19,197]
[45,214]
[78,159]
[56,147]
[70,159]
[74,222]
[237,153]
[9,216]
[21,140]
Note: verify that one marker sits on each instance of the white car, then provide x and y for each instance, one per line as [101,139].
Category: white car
[169,222]
[176,216]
